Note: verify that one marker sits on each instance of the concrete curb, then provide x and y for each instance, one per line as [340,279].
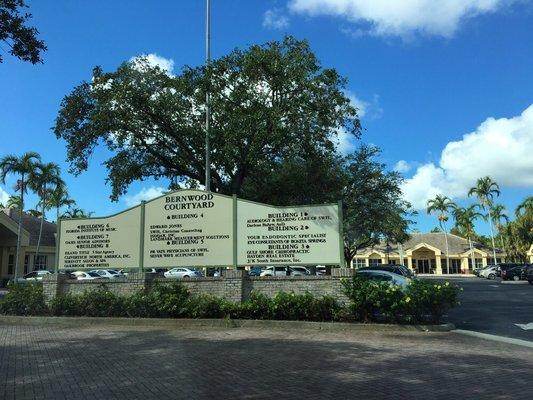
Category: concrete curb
[222,324]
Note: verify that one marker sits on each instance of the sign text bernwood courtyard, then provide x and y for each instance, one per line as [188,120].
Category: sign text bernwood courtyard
[195,228]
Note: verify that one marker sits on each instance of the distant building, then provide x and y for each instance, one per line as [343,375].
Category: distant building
[426,254]
[30,234]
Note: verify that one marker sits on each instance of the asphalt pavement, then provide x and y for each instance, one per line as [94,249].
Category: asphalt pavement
[494,307]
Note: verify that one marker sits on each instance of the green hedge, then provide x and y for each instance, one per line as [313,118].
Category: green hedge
[369,301]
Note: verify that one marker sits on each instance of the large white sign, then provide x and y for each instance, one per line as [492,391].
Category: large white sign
[195,228]
[99,243]
[287,235]
[188,228]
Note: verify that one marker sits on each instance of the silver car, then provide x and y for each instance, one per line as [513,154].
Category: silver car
[182,272]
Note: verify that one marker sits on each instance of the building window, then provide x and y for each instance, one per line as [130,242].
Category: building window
[455,266]
[374,262]
[39,263]
[359,262]
[26,263]
[10,264]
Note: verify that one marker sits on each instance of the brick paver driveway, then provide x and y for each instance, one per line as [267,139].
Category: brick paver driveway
[135,362]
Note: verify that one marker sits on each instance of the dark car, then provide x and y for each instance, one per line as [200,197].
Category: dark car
[255,271]
[529,273]
[504,267]
[395,269]
[515,273]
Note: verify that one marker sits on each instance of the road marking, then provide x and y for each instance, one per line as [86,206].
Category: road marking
[494,285]
[526,327]
[503,339]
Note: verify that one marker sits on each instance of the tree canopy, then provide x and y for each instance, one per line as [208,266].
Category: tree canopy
[274,108]
[21,39]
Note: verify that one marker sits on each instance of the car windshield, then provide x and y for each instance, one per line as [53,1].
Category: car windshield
[93,274]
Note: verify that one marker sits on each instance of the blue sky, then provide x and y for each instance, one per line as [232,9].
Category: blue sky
[444,87]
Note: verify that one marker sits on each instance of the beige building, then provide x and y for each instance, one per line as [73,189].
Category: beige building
[426,254]
[30,234]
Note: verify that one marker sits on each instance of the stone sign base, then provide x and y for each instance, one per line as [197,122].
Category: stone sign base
[234,285]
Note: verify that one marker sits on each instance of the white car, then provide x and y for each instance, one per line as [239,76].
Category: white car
[274,271]
[85,276]
[386,276]
[108,273]
[489,273]
[299,271]
[182,272]
[34,276]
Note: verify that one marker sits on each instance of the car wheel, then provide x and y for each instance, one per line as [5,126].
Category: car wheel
[186,276]
[531,282]
[491,277]
[516,278]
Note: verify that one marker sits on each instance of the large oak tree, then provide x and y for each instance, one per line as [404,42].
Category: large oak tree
[275,114]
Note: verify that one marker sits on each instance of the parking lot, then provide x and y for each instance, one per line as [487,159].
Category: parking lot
[494,307]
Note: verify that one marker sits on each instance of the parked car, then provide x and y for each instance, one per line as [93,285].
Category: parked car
[108,273]
[517,273]
[274,271]
[504,267]
[157,271]
[489,273]
[384,276]
[182,272]
[321,270]
[85,276]
[298,271]
[395,269]
[34,276]
[529,274]
[255,271]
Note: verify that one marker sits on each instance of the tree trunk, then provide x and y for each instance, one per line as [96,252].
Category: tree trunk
[40,228]
[447,249]
[472,258]
[492,238]
[19,227]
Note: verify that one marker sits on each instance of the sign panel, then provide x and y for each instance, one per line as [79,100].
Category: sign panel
[99,243]
[287,235]
[188,228]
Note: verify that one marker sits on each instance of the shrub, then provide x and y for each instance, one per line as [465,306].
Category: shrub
[258,306]
[207,306]
[422,301]
[65,305]
[24,299]
[159,301]
[431,300]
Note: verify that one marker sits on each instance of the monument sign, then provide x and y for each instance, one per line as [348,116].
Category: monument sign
[198,229]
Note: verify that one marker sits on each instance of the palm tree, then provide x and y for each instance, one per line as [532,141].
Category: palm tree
[442,204]
[464,220]
[14,202]
[43,176]
[23,166]
[525,207]
[76,213]
[498,214]
[58,198]
[485,190]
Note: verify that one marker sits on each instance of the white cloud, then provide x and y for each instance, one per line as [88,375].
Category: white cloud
[4,196]
[274,19]
[345,141]
[401,17]
[499,148]
[166,64]
[145,194]
[402,166]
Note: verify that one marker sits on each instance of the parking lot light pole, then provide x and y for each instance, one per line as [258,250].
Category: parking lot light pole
[207,99]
